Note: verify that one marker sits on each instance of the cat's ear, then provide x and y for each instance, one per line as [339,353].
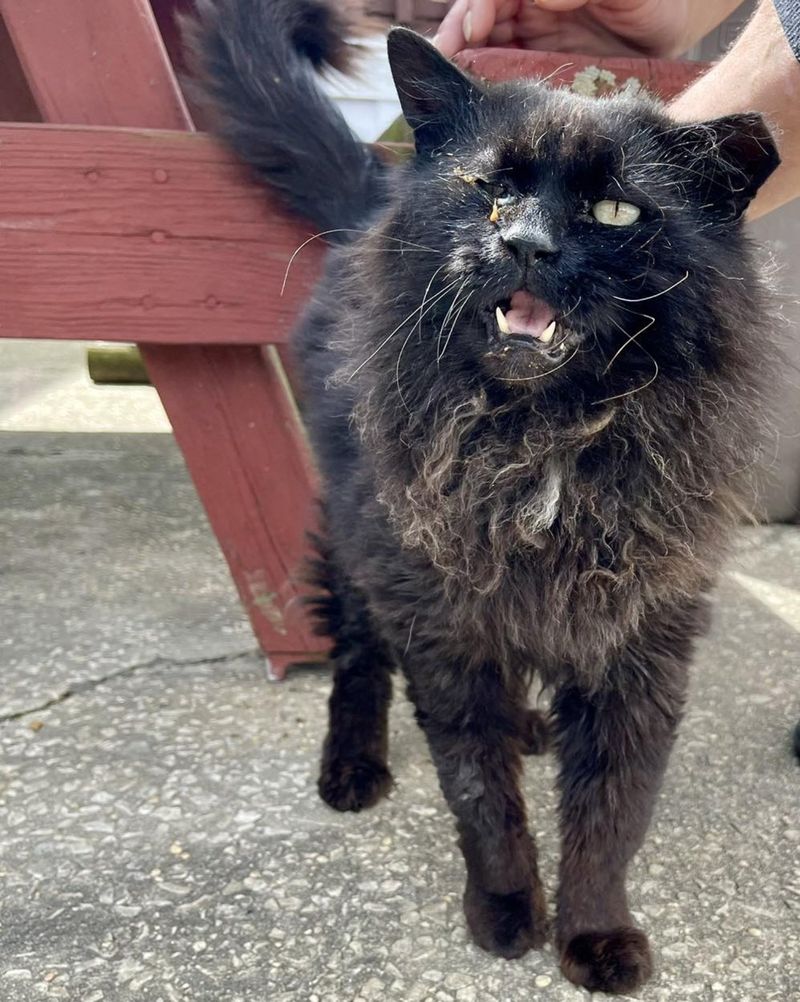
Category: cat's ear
[738,154]
[434,94]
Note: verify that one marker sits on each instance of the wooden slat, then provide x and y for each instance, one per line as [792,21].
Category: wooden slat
[252,470]
[142,236]
[166,12]
[16,100]
[103,63]
[664,77]
[96,62]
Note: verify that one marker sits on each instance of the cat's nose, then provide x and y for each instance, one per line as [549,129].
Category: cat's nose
[530,243]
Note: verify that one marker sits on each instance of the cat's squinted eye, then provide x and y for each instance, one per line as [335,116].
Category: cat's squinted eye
[609,212]
[499,192]
[615,213]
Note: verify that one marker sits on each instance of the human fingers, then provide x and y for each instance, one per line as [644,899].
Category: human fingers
[467,23]
[558,6]
[471,23]
[504,34]
[449,38]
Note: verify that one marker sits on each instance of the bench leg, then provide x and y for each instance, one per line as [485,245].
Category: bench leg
[242,441]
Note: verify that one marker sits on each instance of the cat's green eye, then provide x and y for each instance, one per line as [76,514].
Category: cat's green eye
[613,213]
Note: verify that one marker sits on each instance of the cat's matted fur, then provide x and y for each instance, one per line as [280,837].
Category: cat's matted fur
[533,377]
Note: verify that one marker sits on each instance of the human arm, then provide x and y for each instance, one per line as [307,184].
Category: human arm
[760,73]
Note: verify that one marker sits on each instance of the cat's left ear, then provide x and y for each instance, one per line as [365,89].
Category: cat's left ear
[738,154]
[434,94]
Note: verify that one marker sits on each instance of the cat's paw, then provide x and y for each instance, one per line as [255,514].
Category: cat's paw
[535,737]
[617,961]
[351,784]
[507,925]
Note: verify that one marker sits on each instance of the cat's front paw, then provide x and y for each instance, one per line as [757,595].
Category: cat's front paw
[617,961]
[507,925]
[353,783]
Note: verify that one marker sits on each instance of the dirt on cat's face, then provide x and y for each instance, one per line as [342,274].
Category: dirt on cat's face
[555,232]
[570,238]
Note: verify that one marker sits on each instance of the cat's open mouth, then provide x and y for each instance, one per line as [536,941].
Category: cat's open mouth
[526,323]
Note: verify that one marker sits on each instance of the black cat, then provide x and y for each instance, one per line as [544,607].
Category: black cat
[534,376]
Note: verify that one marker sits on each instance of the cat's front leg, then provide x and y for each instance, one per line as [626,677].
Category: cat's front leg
[473,720]
[613,748]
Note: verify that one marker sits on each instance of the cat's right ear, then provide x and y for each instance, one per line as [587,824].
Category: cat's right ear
[737,154]
[434,94]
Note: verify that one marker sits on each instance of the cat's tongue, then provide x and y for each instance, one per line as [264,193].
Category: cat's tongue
[531,316]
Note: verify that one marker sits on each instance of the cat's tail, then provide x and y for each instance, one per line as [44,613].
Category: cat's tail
[255,63]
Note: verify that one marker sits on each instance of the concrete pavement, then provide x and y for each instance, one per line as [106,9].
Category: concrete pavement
[160,834]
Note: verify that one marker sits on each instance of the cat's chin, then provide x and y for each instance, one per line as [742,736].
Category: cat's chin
[523,358]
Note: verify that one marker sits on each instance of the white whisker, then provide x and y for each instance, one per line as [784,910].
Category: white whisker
[427,290]
[456,318]
[447,318]
[347,229]
[656,295]
[630,339]
[388,337]
[638,389]
[397,371]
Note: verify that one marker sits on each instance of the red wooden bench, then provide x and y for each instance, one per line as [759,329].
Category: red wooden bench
[119,222]
[124,233]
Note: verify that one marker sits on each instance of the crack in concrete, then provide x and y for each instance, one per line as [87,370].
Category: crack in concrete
[95,683]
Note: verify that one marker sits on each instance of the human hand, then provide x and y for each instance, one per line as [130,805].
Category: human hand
[594,27]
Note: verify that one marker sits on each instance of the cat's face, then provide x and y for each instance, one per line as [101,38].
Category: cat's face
[572,236]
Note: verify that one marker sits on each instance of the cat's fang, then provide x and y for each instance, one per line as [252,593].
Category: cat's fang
[502,323]
[547,334]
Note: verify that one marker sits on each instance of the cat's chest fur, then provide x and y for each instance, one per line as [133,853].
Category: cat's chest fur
[551,552]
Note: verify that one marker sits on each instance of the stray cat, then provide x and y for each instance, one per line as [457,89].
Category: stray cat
[534,375]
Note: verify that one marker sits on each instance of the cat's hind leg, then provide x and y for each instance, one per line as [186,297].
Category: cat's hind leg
[353,773]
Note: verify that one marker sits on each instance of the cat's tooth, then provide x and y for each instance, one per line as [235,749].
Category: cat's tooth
[547,333]
[502,323]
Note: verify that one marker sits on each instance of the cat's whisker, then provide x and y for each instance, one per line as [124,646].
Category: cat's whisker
[572,309]
[655,295]
[347,229]
[446,318]
[730,278]
[425,294]
[638,389]
[405,320]
[456,318]
[630,339]
[556,71]
[439,351]
[650,239]
[397,372]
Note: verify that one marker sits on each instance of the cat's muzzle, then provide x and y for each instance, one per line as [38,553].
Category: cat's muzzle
[523,323]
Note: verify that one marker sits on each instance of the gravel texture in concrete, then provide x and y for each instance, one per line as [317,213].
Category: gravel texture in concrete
[160,834]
